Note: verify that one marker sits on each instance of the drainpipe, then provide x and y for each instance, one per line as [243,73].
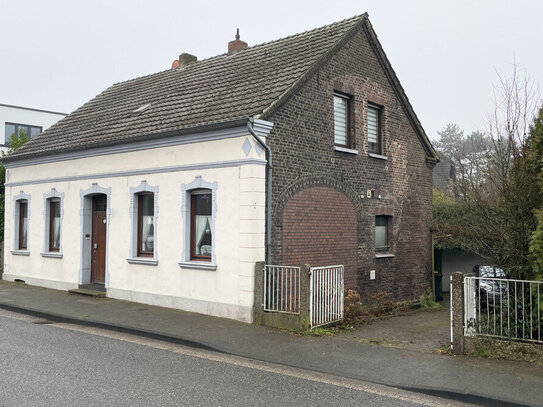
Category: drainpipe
[268,187]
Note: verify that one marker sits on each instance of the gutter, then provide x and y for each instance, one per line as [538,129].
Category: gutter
[269,169]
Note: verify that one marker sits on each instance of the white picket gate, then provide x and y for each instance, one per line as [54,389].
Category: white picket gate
[325,295]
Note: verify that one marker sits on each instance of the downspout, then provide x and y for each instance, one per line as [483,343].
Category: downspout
[269,168]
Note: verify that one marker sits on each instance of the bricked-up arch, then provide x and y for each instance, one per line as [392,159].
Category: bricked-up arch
[319,228]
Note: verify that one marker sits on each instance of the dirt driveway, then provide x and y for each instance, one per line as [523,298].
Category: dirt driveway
[420,330]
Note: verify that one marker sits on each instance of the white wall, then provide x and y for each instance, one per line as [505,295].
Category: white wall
[458,260]
[239,227]
[28,116]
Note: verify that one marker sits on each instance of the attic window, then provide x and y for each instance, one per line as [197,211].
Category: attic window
[142,109]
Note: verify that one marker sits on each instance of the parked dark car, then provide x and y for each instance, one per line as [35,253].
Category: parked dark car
[490,291]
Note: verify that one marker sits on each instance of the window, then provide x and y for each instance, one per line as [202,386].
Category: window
[374,129]
[342,120]
[23,224]
[54,225]
[200,225]
[382,241]
[53,212]
[143,225]
[146,228]
[199,210]
[21,130]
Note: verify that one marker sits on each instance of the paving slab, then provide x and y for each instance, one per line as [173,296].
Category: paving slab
[485,381]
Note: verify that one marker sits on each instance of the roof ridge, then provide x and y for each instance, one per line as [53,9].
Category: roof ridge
[198,62]
[313,67]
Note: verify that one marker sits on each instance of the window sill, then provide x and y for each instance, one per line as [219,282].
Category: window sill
[198,265]
[142,260]
[345,150]
[378,156]
[20,252]
[52,255]
[383,255]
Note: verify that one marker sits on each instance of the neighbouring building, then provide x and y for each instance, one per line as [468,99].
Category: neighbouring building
[162,188]
[17,120]
[447,260]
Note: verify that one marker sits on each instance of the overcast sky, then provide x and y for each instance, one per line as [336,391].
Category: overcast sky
[56,55]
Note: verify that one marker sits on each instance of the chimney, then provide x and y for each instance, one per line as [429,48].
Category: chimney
[236,45]
[184,60]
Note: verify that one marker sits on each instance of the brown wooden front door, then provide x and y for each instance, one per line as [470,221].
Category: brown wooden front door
[98,246]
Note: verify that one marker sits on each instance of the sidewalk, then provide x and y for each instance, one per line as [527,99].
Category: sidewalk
[484,381]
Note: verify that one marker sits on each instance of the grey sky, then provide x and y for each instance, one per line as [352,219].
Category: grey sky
[56,55]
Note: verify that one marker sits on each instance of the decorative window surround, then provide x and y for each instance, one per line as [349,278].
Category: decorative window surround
[19,197]
[378,156]
[186,190]
[85,215]
[345,150]
[133,255]
[142,260]
[383,255]
[46,209]
[52,255]
[20,252]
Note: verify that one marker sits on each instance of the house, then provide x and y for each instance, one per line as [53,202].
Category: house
[168,188]
[17,119]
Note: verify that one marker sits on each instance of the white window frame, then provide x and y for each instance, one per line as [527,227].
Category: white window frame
[347,100]
[53,194]
[133,254]
[379,110]
[186,191]
[21,196]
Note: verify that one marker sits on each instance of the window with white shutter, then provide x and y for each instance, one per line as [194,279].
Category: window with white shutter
[341,120]
[374,128]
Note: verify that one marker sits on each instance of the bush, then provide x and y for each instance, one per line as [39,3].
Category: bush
[353,307]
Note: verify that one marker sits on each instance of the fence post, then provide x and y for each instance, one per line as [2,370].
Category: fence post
[259,287]
[457,313]
[305,323]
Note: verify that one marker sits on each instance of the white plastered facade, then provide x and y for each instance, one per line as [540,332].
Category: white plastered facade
[224,160]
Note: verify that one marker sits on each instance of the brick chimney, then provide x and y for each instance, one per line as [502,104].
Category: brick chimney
[184,60]
[236,45]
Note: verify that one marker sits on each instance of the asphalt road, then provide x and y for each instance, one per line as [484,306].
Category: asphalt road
[44,364]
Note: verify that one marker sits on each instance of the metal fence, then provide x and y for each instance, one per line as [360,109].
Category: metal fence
[281,289]
[503,308]
[325,295]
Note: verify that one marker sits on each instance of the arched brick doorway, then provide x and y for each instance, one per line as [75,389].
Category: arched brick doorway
[319,228]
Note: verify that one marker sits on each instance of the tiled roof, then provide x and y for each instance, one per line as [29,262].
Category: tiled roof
[218,89]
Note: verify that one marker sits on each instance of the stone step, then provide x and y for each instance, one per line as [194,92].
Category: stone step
[87,292]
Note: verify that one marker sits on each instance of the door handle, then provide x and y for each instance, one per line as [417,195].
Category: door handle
[96,245]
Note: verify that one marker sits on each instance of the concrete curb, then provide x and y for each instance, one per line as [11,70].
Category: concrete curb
[442,393]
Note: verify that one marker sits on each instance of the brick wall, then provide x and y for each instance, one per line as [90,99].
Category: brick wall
[304,157]
[319,228]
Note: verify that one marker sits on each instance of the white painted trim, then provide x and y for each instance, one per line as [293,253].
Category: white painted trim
[378,156]
[217,309]
[142,260]
[51,255]
[142,187]
[145,171]
[46,197]
[20,252]
[345,150]
[20,196]
[262,128]
[85,222]
[197,265]
[42,282]
[186,190]
[129,146]
[383,255]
